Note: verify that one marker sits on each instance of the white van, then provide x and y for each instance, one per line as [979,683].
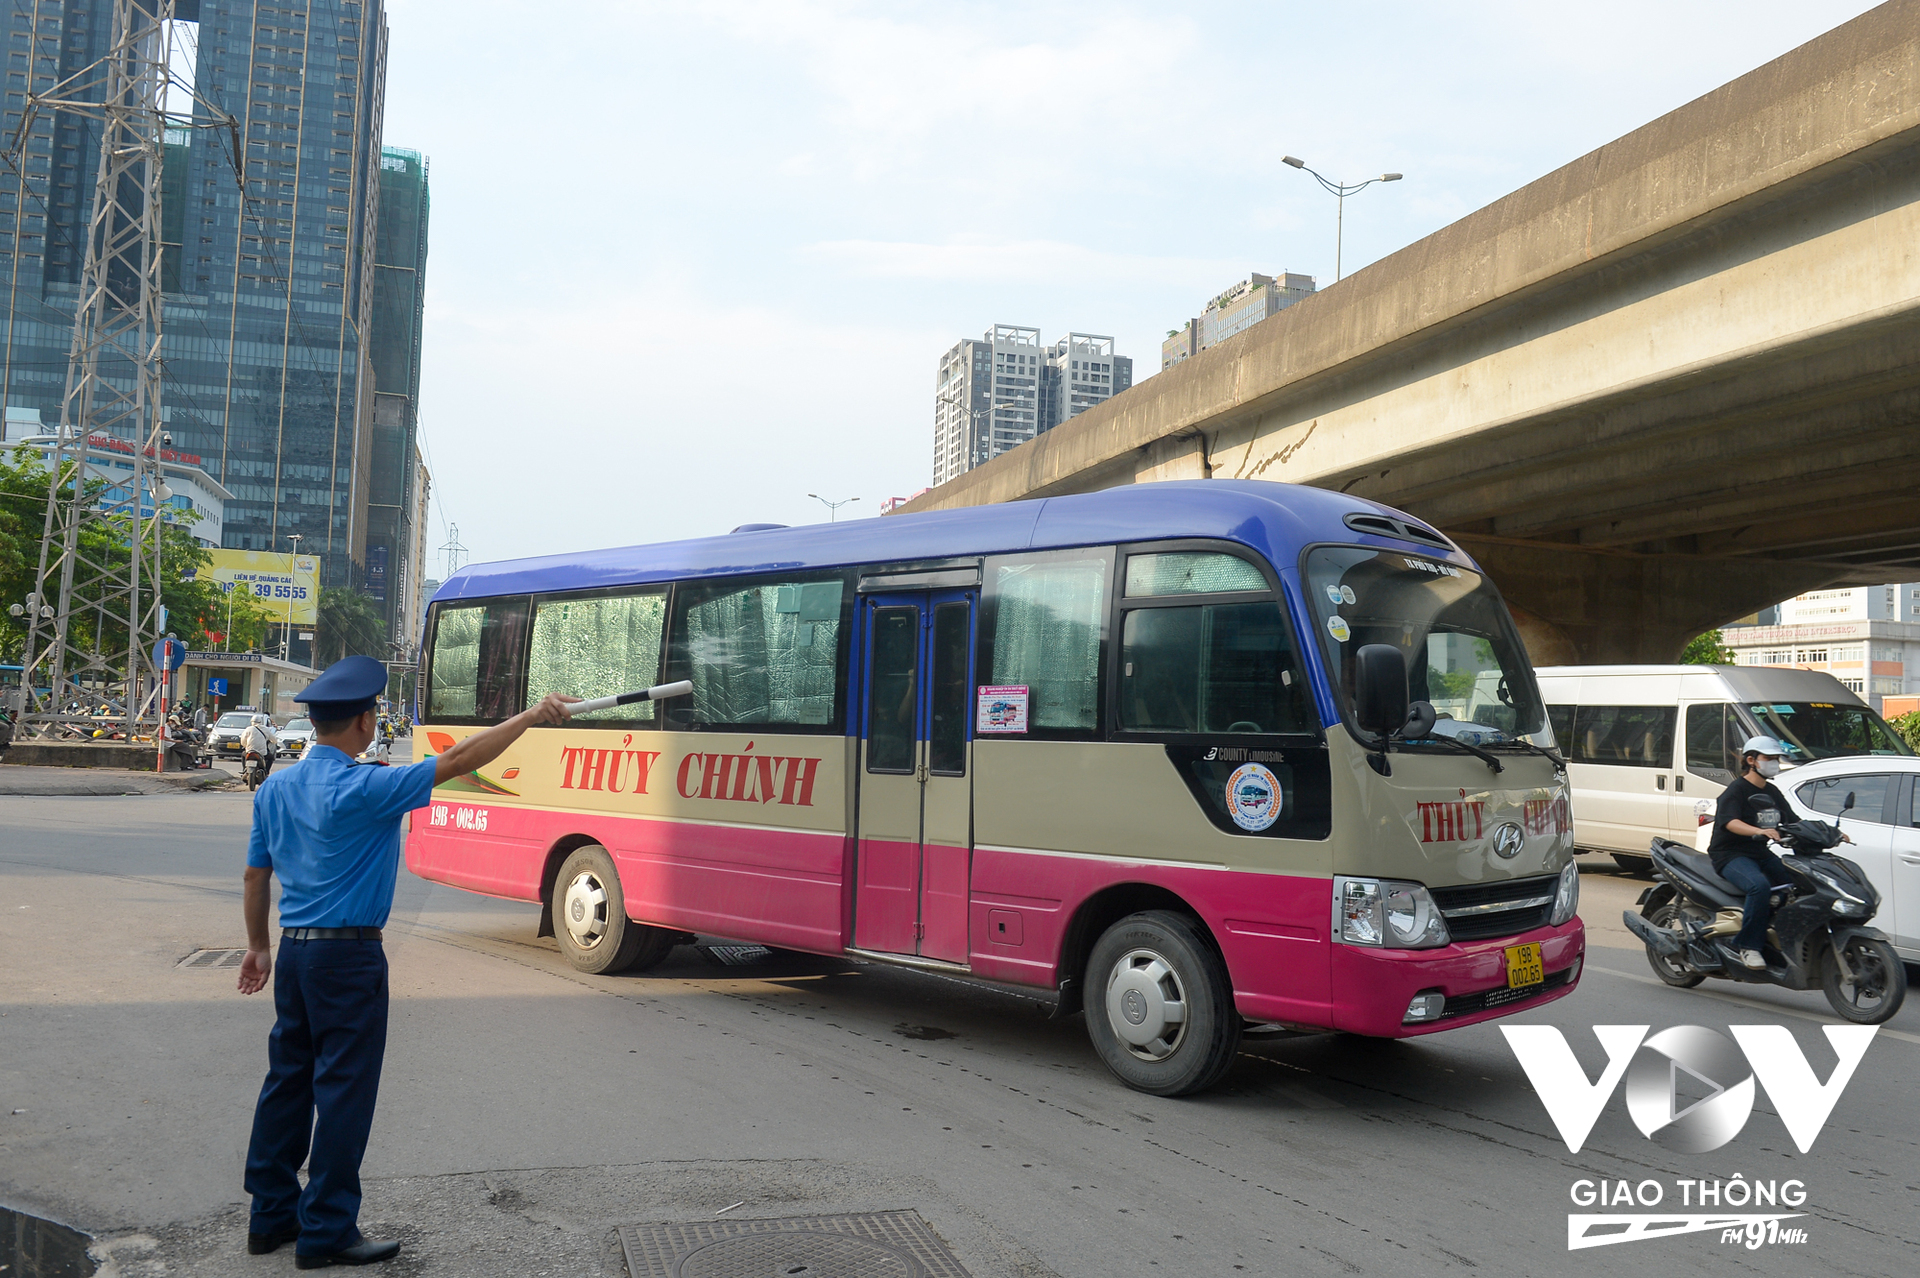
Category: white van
[1649,748]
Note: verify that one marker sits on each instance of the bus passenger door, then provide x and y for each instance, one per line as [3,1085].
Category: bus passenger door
[916,787]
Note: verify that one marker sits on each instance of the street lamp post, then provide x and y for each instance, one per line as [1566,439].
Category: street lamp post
[1340,191]
[833,507]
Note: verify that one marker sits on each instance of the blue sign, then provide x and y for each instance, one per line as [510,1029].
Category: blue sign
[168,655]
[216,687]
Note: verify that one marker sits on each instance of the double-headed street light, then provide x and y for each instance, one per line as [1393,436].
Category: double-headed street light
[833,507]
[1340,190]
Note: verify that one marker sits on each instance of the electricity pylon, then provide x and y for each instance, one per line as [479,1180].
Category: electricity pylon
[110,578]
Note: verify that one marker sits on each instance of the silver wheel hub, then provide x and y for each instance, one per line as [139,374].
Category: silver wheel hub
[583,909]
[1146,1005]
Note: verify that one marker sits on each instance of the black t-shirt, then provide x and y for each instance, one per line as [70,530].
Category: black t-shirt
[1760,806]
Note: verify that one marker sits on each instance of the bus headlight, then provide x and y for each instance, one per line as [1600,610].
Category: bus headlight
[1566,897]
[1387,912]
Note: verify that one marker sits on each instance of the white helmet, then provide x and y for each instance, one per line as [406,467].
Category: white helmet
[1763,745]
[259,721]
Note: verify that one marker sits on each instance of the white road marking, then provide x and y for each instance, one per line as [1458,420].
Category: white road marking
[1902,1035]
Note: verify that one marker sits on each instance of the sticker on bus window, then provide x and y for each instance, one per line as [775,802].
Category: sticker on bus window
[1347,595]
[1254,799]
[1337,627]
[1333,595]
[1002,709]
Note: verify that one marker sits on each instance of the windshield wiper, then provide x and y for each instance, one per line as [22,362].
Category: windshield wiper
[1473,750]
[1559,764]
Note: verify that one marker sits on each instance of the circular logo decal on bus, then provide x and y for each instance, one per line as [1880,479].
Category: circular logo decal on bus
[1337,627]
[1333,595]
[1253,797]
[1347,595]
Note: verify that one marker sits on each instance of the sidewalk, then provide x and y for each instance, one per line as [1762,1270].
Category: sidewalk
[20,779]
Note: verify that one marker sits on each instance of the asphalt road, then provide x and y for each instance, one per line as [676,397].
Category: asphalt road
[527,1111]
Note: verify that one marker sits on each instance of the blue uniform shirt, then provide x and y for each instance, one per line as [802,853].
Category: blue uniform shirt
[330,829]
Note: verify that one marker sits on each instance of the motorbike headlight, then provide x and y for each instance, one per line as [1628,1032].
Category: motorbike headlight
[1387,913]
[1566,897]
[1833,883]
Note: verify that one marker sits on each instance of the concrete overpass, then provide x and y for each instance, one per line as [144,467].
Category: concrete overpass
[1670,383]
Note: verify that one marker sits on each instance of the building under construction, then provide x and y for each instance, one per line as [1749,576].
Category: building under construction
[286,328]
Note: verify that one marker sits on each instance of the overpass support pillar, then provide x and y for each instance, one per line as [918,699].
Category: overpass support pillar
[1582,607]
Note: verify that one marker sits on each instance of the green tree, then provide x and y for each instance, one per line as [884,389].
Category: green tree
[350,625]
[190,598]
[1707,650]
[1908,726]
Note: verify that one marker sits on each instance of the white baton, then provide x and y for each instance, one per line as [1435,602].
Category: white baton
[659,692]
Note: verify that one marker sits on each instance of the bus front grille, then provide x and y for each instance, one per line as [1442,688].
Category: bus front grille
[1481,911]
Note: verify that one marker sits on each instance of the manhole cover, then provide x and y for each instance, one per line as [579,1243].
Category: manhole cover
[893,1244]
[799,1254]
[211,958]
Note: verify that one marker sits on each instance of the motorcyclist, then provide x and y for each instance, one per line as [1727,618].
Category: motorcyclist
[259,739]
[1747,816]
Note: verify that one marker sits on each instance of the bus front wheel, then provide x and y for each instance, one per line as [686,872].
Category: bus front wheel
[1160,1007]
[590,912]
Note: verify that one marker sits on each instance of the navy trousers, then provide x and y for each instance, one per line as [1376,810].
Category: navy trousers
[1757,876]
[323,1076]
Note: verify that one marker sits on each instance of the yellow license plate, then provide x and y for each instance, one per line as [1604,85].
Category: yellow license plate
[1524,966]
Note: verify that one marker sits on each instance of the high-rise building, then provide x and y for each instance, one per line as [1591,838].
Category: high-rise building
[1081,371]
[269,303]
[998,391]
[393,568]
[1234,311]
[415,594]
[1867,637]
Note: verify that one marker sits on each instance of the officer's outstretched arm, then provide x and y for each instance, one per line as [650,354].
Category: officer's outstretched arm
[482,748]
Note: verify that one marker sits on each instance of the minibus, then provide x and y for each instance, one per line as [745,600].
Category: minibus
[1179,753]
[1650,748]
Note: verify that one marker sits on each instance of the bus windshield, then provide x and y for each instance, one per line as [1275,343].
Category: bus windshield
[1820,730]
[1462,652]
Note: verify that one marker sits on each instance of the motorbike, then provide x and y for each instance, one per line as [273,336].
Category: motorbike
[255,769]
[1818,938]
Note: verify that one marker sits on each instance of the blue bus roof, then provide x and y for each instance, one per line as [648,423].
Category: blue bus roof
[1273,519]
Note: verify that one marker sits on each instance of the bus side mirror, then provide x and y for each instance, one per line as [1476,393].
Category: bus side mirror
[1380,689]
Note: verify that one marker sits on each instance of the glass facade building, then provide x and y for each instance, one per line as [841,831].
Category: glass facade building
[391,539]
[267,321]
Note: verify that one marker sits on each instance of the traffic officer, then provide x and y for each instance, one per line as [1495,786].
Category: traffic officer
[331,831]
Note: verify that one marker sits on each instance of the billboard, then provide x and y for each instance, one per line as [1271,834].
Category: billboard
[288,586]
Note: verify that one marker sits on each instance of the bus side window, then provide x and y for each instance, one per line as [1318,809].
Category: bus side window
[1707,753]
[1561,718]
[1624,736]
[1046,629]
[596,648]
[474,669]
[765,654]
[1211,668]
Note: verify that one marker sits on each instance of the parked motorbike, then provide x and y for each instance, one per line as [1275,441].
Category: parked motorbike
[1818,935]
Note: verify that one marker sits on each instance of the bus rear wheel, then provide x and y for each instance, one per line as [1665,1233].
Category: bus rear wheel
[1160,1007]
[590,916]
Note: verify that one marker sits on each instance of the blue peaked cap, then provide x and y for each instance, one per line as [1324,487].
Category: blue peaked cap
[349,687]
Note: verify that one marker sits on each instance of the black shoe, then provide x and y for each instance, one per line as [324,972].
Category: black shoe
[364,1252]
[261,1244]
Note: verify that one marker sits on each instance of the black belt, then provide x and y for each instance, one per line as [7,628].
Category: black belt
[330,933]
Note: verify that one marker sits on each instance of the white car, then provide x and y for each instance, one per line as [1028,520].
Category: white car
[296,736]
[1884,822]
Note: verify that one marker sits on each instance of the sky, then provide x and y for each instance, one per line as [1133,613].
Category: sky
[691,262]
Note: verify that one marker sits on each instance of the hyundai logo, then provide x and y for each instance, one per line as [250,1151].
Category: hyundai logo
[1508,839]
